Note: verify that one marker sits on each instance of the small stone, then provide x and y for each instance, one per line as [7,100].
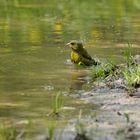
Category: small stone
[137,59]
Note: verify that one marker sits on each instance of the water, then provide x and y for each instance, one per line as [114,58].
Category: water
[33,56]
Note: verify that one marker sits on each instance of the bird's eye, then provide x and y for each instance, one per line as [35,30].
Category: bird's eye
[72,43]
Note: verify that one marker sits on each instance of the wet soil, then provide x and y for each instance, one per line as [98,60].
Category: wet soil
[119,115]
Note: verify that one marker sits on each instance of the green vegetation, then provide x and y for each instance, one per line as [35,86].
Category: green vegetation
[132,76]
[8,133]
[128,55]
[129,71]
[50,133]
[126,115]
[57,104]
[80,128]
[132,70]
[103,70]
[79,125]
[11,131]
[50,130]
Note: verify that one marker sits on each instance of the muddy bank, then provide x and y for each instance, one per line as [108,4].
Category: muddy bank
[117,119]
[114,107]
[119,115]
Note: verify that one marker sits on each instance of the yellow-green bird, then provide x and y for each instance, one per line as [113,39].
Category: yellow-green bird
[79,55]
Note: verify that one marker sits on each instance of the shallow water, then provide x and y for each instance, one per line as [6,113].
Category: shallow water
[34,62]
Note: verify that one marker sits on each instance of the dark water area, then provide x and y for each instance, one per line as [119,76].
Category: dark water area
[34,62]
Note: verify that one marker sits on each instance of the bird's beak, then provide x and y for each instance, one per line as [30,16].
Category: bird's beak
[68,45]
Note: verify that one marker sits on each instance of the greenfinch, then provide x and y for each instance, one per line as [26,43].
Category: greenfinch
[79,55]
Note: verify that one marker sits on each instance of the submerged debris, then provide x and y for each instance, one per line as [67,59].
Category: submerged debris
[81,137]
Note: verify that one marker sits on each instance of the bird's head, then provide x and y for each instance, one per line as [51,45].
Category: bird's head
[75,45]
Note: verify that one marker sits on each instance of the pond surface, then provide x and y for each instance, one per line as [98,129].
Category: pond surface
[34,62]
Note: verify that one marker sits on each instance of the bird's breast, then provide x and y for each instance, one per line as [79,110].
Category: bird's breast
[75,57]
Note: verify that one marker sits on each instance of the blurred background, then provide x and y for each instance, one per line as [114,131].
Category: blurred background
[49,22]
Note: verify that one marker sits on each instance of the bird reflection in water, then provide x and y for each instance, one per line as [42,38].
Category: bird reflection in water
[78,80]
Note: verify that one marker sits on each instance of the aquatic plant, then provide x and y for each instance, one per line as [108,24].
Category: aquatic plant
[8,133]
[79,125]
[132,76]
[80,129]
[127,117]
[103,70]
[98,72]
[50,130]
[57,104]
[11,131]
[50,133]
[128,55]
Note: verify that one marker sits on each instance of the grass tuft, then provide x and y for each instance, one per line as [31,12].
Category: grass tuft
[103,70]
[132,76]
[128,55]
[80,129]
[57,104]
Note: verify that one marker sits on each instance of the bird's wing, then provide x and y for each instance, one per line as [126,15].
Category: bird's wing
[86,61]
[86,55]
